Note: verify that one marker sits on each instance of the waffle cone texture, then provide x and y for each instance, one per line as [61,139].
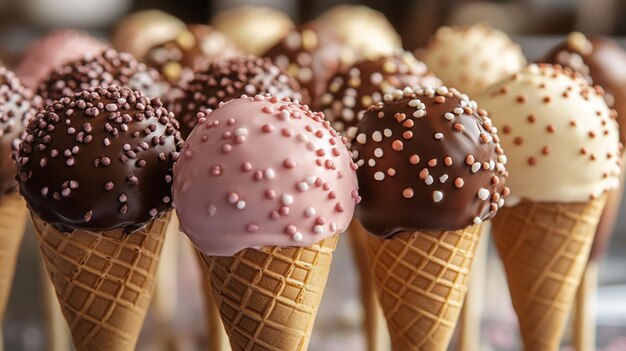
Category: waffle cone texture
[544,247]
[13,214]
[103,281]
[268,298]
[421,279]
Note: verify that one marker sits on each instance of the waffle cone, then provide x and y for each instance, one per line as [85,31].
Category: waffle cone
[13,214]
[544,247]
[103,281]
[421,279]
[268,298]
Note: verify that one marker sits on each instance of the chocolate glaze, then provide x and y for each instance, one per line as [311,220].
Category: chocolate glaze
[104,69]
[311,55]
[229,79]
[600,61]
[349,93]
[193,49]
[428,160]
[17,106]
[99,160]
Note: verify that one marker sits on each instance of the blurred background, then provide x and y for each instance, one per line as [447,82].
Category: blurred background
[535,24]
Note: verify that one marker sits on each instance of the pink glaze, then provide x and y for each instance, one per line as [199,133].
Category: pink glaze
[263,171]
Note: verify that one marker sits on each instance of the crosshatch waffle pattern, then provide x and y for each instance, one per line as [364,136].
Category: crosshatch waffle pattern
[544,248]
[421,280]
[268,298]
[103,281]
[13,214]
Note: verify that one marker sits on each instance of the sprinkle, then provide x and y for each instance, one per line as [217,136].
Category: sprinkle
[377,136]
[241,205]
[483,194]
[379,176]
[476,167]
[414,159]
[286,199]
[251,228]
[269,173]
[449,116]
[407,193]
[302,186]
[378,152]
[458,182]
[309,212]
[429,180]
[297,237]
[438,136]
[318,229]
[387,132]
[443,178]
[447,161]
[437,196]
[361,138]
[477,220]
[397,145]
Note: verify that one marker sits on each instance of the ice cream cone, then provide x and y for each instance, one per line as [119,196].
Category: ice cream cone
[545,247]
[12,222]
[268,298]
[103,280]
[421,280]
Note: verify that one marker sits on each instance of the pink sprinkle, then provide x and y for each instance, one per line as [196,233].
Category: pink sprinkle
[326,186]
[230,121]
[267,128]
[226,148]
[397,145]
[319,134]
[240,139]
[226,135]
[270,194]
[251,228]
[332,195]
[289,163]
[246,167]
[319,182]
[339,207]
[335,151]
[233,198]
[319,162]
[258,175]
[267,109]
[216,170]
[284,211]
[320,220]
[320,152]
[274,215]
[286,132]
[291,229]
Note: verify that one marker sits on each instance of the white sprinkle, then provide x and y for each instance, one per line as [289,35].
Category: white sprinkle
[437,195]
[297,236]
[284,115]
[387,132]
[371,162]
[419,113]
[361,138]
[438,136]
[429,180]
[415,102]
[449,116]
[501,202]
[310,179]
[477,220]
[241,204]
[443,178]
[361,162]
[379,175]
[269,173]
[502,159]
[309,212]
[458,111]
[318,229]
[302,186]
[492,165]
[483,194]
[240,132]
[377,136]
[476,167]
[499,167]
[286,199]
[442,90]
[378,152]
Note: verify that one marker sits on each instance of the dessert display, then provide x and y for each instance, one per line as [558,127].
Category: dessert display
[254,29]
[311,55]
[471,58]
[107,68]
[262,188]
[366,32]
[431,172]
[56,48]
[350,92]
[95,169]
[600,61]
[17,106]
[229,79]
[173,48]
[562,143]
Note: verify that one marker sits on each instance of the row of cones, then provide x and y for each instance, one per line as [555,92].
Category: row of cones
[268,298]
